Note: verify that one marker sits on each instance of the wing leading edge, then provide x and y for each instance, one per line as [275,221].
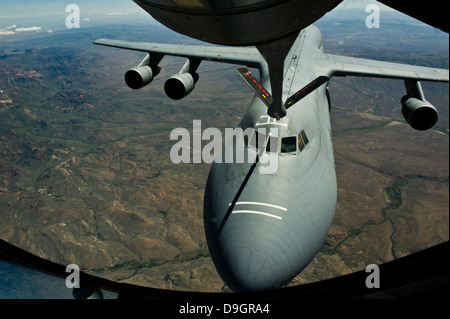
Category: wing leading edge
[249,57]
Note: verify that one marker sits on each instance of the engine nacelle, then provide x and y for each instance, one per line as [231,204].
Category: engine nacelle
[140,76]
[180,85]
[420,115]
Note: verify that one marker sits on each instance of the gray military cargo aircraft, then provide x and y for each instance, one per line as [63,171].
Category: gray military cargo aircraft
[263,228]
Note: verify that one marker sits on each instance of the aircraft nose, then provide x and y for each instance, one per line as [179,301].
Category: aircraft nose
[251,269]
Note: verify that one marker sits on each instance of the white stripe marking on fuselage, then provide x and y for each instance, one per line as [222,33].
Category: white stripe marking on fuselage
[261,204]
[255,212]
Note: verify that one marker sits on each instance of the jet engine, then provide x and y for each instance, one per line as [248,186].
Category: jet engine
[180,85]
[420,115]
[140,76]
[144,73]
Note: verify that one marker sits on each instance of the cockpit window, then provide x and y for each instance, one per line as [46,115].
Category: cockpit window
[288,144]
[302,140]
[305,139]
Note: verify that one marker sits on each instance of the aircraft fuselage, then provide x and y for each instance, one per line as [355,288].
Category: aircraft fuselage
[263,228]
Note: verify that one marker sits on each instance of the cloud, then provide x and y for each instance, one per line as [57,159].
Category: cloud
[6,32]
[117,13]
[13,29]
[29,29]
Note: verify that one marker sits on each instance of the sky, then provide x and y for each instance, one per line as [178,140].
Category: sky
[48,15]
[33,8]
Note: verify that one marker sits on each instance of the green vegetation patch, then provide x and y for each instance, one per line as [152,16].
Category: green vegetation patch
[393,193]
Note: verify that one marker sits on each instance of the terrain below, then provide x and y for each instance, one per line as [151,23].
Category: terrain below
[86,176]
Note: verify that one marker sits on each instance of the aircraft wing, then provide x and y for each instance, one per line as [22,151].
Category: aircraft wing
[343,66]
[417,111]
[234,55]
